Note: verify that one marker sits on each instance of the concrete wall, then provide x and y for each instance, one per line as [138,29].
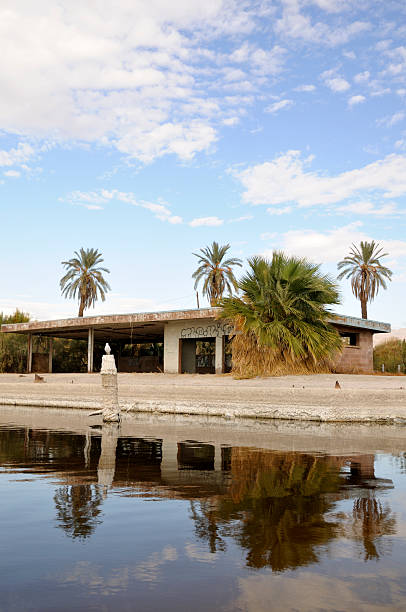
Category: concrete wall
[356,359]
[353,359]
[197,329]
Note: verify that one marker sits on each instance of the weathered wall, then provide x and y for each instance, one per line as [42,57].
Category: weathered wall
[198,328]
[355,359]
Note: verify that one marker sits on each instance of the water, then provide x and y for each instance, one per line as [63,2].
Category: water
[196,515]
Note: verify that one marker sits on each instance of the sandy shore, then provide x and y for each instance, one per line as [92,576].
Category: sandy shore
[311,398]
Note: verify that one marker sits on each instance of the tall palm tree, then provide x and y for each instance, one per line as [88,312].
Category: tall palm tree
[84,279]
[282,318]
[366,271]
[216,271]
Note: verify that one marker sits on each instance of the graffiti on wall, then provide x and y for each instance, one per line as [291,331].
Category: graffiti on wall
[214,330]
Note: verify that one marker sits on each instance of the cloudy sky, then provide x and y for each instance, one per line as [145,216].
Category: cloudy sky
[149,128]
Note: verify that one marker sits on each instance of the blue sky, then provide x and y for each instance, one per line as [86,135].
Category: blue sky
[150,129]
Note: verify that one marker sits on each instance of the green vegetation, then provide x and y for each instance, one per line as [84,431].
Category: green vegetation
[367,273]
[392,353]
[84,279]
[216,271]
[282,318]
[13,347]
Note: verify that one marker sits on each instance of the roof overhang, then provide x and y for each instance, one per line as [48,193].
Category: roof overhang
[149,326]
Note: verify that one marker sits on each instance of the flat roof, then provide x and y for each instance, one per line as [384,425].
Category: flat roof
[148,326]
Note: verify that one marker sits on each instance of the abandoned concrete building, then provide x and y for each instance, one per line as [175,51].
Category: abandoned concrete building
[185,341]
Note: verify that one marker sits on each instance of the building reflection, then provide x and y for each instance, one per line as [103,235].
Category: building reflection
[279,507]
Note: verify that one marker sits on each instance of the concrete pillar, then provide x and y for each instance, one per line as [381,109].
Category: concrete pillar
[219,355]
[29,354]
[90,348]
[169,463]
[51,348]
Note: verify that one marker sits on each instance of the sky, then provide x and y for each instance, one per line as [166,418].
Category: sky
[148,128]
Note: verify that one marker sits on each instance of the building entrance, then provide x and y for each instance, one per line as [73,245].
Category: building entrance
[198,356]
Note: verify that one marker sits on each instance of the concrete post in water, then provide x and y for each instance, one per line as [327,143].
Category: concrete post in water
[110,409]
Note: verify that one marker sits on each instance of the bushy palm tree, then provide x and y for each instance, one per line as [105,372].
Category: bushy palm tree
[367,273]
[84,279]
[282,318]
[216,271]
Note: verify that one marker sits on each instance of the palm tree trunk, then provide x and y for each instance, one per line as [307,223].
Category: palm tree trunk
[81,306]
[364,308]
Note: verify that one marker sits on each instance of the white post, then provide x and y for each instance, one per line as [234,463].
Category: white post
[29,354]
[110,408]
[90,348]
[219,355]
[50,354]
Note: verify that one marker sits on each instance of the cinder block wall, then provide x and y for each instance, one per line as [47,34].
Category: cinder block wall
[355,359]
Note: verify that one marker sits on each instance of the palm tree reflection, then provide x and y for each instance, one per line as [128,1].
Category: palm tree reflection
[78,509]
[280,509]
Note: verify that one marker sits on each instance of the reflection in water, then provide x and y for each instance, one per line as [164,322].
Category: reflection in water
[279,507]
[78,509]
[371,520]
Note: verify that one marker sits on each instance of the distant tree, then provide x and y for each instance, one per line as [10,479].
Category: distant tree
[367,273]
[216,271]
[391,353]
[13,347]
[84,279]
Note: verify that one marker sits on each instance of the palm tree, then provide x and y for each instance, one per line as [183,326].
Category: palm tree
[282,318]
[84,279]
[366,271]
[216,271]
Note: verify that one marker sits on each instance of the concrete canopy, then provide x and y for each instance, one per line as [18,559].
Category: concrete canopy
[148,326]
[136,327]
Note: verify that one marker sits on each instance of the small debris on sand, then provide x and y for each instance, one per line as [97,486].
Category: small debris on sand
[39,379]
[337,385]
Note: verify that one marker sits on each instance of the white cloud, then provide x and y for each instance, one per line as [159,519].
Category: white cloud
[230,121]
[93,200]
[17,156]
[362,77]
[208,221]
[277,106]
[295,24]
[268,235]
[239,219]
[335,83]
[391,120]
[356,100]
[285,210]
[349,55]
[287,179]
[332,245]
[306,88]
[369,208]
[137,78]
[12,173]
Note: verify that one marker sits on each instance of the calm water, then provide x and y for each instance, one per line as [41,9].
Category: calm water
[99,520]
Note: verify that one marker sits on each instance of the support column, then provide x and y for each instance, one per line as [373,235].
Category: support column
[90,349]
[29,354]
[219,355]
[50,354]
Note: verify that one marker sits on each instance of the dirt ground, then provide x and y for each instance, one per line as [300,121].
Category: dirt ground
[358,392]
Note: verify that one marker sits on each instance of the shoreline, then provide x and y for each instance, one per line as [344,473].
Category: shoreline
[361,398]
